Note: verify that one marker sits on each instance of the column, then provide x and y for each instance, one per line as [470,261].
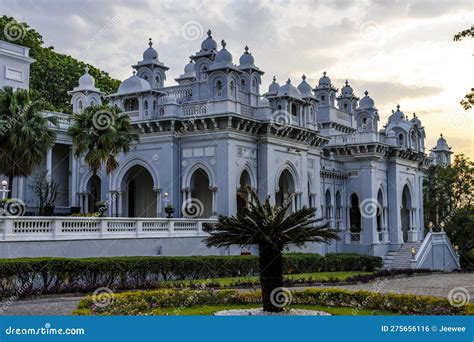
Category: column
[214,200]
[385,224]
[49,162]
[158,201]
[72,185]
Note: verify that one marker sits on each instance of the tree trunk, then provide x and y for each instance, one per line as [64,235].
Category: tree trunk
[271,276]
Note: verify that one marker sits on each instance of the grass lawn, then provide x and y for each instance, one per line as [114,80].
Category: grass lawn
[314,277]
[207,310]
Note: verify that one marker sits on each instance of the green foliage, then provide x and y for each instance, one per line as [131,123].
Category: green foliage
[147,302]
[53,74]
[99,134]
[25,135]
[468,101]
[28,276]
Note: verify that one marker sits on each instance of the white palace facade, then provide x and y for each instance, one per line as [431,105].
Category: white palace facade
[214,134]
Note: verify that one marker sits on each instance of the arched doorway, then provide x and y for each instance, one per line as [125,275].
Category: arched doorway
[328,205]
[379,211]
[93,194]
[243,191]
[338,210]
[286,191]
[138,197]
[355,218]
[405,212]
[201,195]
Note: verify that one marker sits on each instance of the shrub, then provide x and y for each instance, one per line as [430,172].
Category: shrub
[29,276]
[144,302]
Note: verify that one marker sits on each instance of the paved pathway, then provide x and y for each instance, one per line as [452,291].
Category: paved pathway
[434,285]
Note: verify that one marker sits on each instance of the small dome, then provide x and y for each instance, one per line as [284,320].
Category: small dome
[366,101]
[246,58]
[189,68]
[209,44]
[223,56]
[441,144]
[347,90]
[325,81]
[264,102]
[86,80]
[304,88]
[169,99]
[415,120]
[397,116]
[290,90]
[274,86]
[150,53]
[133,84]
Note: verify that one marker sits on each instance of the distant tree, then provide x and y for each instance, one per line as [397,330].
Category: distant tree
[468,101]
[25,134]
[99,134]
[271,229]
[46,191]
[52,74]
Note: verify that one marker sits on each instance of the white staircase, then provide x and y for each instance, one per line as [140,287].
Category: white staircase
[400,259]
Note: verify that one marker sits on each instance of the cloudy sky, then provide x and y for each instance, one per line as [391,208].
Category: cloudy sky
[401,51]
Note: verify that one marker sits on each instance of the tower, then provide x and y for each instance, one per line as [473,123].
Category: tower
[366,115]
[86,94]
[151,69]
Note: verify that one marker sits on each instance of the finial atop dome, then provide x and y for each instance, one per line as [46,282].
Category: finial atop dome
[274,78]
[324,73]
[223,43]
[398,107]
[246,48]
[441,135]
[150,43]
[303,77]
[134,72]
[366,93]
[288,81]
[209,33]
[414,115]
[86,69]
[347,82]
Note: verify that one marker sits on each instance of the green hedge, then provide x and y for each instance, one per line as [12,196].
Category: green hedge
[144,302]
[27,276]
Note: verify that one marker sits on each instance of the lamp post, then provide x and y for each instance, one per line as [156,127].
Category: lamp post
[430,226]
[4,190]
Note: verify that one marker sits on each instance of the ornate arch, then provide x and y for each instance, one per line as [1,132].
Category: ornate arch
[131,162]
[194,168]
[246,167]
[292,170]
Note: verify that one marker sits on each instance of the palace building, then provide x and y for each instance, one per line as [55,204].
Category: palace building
[217,132]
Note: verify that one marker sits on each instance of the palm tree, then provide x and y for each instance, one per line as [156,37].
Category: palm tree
[272,229]
[25,134]
[99,134]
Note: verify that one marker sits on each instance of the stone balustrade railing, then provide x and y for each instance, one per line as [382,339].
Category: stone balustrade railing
[80,228]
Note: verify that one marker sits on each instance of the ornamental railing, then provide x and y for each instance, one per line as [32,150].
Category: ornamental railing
[78,228]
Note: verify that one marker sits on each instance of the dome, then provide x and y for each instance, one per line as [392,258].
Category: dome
[274,86]
[304,88]
[223,56]
[133,84]
[347,90]
[415,120]
[246,58]
[189,68]
[396,116]
[264,102]
[324,81]
[366,101]
[209,44]
[442,145]
[86,80]
[150,53]
[289,90]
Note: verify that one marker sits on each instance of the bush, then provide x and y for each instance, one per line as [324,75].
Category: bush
[144,302]
[29,276]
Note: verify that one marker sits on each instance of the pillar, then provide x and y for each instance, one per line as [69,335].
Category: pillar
[49,162]
[158,201]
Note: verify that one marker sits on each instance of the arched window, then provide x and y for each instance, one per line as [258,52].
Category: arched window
[131,105]
[203,72]
[354,214]
[145,107]
[254,85]
[400,139]
[412,140]
[93,103]
[218,88]
[345,106]
[323,97]
[242,84]
[279,107]
[158,80]
[162,111]
[145,77]
[338,210]
[328,205]
[80,105]
[232,88]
